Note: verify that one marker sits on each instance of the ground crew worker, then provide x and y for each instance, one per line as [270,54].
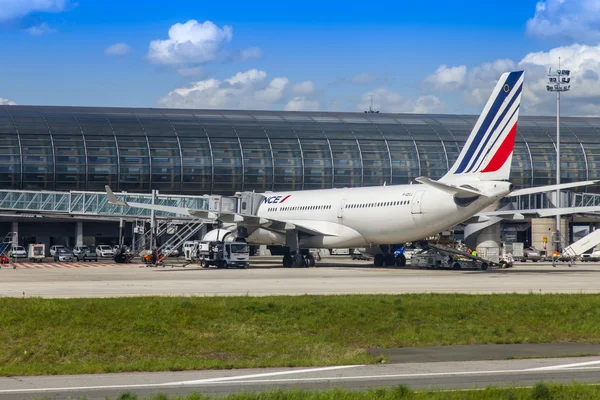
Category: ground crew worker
[474,253]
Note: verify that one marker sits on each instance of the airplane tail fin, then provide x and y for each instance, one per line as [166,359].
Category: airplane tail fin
[487,155]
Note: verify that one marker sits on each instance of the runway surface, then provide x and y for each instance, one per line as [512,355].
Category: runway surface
[333,276]
[440,375]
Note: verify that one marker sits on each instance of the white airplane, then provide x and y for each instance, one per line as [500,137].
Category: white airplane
[387,216]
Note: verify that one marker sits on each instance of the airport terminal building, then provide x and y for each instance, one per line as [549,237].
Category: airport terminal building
[197,152]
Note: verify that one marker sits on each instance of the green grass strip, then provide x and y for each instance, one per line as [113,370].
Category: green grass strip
[50,336]
[540,391]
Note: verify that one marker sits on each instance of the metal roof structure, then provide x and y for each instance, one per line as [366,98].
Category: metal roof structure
[194,152]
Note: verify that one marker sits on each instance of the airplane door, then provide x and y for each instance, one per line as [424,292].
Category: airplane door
[341,209]
[416,201]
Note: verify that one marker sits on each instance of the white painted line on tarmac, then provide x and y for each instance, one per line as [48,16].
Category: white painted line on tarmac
[184,383]
[249,379]
[564,366]
[342,378]
[264,375]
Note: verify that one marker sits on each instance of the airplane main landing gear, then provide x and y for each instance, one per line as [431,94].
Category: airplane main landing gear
[298,260]
[388,259]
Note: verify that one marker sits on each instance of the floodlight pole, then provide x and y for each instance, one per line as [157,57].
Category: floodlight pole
[558,238]
[558,82]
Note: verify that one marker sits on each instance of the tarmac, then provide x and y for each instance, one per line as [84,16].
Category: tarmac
[417,375]
[333,275]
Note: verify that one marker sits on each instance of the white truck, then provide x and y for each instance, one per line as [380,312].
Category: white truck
[223,254]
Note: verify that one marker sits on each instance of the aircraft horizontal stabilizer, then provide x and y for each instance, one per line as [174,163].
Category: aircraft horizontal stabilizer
[460,192]
[550,188]
[505,214]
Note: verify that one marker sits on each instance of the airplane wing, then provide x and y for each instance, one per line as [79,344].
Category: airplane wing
[549,188]
[244,220]
[540,212]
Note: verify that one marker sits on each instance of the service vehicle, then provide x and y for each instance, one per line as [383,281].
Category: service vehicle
[105,251]
[17,252]
[189,249]
[223,254]
[37,252]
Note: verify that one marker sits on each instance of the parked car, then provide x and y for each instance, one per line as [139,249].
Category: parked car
[56,247]
[105,251]
[63,254]
[17,252]
[86,254]
[170,251]
[533,254]
[79,250]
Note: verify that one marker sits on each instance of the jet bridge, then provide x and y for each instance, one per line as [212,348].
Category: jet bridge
[95,204]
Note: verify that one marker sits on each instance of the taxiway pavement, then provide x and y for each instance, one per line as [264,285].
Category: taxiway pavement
[437,375]
[333,276]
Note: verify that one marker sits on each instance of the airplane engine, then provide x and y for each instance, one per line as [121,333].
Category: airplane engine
[224,235]
[263,236]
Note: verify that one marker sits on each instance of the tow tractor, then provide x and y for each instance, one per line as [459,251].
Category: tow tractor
[223,254]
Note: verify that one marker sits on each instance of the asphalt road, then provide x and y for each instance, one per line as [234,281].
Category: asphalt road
[438,375]
[333,276]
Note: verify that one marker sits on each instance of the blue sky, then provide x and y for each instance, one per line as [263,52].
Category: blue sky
[433,56]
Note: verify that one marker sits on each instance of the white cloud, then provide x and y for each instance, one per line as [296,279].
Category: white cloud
[446,79]
[118,49]
[40,29]
[245,90]
[304,88]
[385,100]
[250,53]
[193,44]
[190,43]
[566,20]
[582,60]
[364,79]
[10,9]
[6,102]
[301,103]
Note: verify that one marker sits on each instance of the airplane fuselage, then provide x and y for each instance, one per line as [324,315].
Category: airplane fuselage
[358,217]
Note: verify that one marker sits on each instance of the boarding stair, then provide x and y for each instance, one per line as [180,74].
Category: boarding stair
[5,248]
[179,238]
[162,227]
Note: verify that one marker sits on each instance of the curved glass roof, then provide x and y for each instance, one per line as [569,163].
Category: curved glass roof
[224,151]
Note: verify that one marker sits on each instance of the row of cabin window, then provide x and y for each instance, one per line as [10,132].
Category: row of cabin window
[385,204]
[301,208]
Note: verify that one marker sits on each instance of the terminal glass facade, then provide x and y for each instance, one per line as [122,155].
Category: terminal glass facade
[222,152]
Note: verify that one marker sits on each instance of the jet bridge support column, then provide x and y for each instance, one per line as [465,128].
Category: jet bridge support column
[79,233]
[15,230]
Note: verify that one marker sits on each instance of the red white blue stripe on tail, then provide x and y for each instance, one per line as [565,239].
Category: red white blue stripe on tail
[487,155]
